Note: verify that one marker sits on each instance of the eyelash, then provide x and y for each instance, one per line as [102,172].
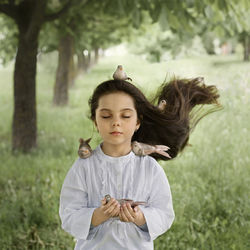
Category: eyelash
[106,117]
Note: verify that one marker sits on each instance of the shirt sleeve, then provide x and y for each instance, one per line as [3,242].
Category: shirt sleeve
[74,213]
[159,213]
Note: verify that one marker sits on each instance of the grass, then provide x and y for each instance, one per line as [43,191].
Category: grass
[209,180]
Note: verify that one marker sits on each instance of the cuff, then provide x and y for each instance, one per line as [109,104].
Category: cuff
[144,227]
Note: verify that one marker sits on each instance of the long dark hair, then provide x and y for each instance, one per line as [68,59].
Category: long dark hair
[172,125]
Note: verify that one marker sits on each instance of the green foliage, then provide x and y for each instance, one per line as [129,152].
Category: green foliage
[226,20]
[159,45]
[88,24]
[8,39]
[209,180]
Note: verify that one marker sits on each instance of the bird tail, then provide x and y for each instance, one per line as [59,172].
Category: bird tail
[160,149]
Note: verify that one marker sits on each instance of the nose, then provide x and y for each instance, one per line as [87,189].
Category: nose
[116,122]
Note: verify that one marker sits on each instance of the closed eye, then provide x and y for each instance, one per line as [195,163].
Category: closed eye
[105,117]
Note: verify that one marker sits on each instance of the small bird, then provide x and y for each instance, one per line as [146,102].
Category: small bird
[124,201]
[140,149]
[108,198]
[120,74]
[199,79]
[162,105]
[84,150]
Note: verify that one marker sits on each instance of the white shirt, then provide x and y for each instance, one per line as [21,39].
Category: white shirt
[139,178]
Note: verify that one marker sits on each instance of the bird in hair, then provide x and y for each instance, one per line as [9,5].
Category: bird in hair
[120,74]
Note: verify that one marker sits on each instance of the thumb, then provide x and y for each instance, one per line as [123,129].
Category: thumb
[103,201]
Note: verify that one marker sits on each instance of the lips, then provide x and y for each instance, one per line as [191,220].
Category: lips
[116,133]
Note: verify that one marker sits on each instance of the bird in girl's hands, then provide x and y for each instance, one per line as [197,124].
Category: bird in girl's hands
[129,214]
[124,201]
[129,210]
[120,74]
[140,149]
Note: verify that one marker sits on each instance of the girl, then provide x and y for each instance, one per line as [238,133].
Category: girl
[122,114]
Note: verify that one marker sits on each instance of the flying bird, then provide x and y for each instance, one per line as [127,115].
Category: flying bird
[120,74]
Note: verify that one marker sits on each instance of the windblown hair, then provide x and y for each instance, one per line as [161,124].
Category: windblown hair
[171,126]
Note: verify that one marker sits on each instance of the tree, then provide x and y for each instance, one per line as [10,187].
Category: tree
[185,19]
[237,25]
[80,32]
[29,16]
[227,20]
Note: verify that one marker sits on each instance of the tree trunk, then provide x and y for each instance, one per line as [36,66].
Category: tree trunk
[24,127]
[96,58]
[83,62]
[72,70]
[29,16]
[63,70]
[80,62]
[246,45]
[89,60]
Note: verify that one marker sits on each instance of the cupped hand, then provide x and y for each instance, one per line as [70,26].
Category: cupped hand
[110,209]
[105,211]
[128,214]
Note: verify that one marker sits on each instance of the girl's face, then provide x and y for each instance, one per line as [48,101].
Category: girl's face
[116,119]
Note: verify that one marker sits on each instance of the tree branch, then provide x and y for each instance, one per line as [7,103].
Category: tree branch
[9,10]
[56,15]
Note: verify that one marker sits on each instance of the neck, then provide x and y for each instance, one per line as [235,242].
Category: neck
[116,150]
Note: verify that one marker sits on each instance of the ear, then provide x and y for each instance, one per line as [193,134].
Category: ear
[138,124]
[87,141]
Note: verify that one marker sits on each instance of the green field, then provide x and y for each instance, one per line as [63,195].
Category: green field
[209,181]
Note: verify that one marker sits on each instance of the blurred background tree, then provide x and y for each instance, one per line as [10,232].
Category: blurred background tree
[83,30]
[29,17]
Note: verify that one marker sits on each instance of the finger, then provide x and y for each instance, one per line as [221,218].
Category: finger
[111,207]
[103,201]
[123,216]
[127,213]
[116,210]
[120,216]
[130,210]
[111,203]
[136,209]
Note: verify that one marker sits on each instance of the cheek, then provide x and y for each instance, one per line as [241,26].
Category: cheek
[101,124]
[132,126]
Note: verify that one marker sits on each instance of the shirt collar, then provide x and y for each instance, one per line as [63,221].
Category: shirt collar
[121,159]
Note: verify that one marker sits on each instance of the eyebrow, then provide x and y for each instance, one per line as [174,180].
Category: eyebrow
[125,109]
